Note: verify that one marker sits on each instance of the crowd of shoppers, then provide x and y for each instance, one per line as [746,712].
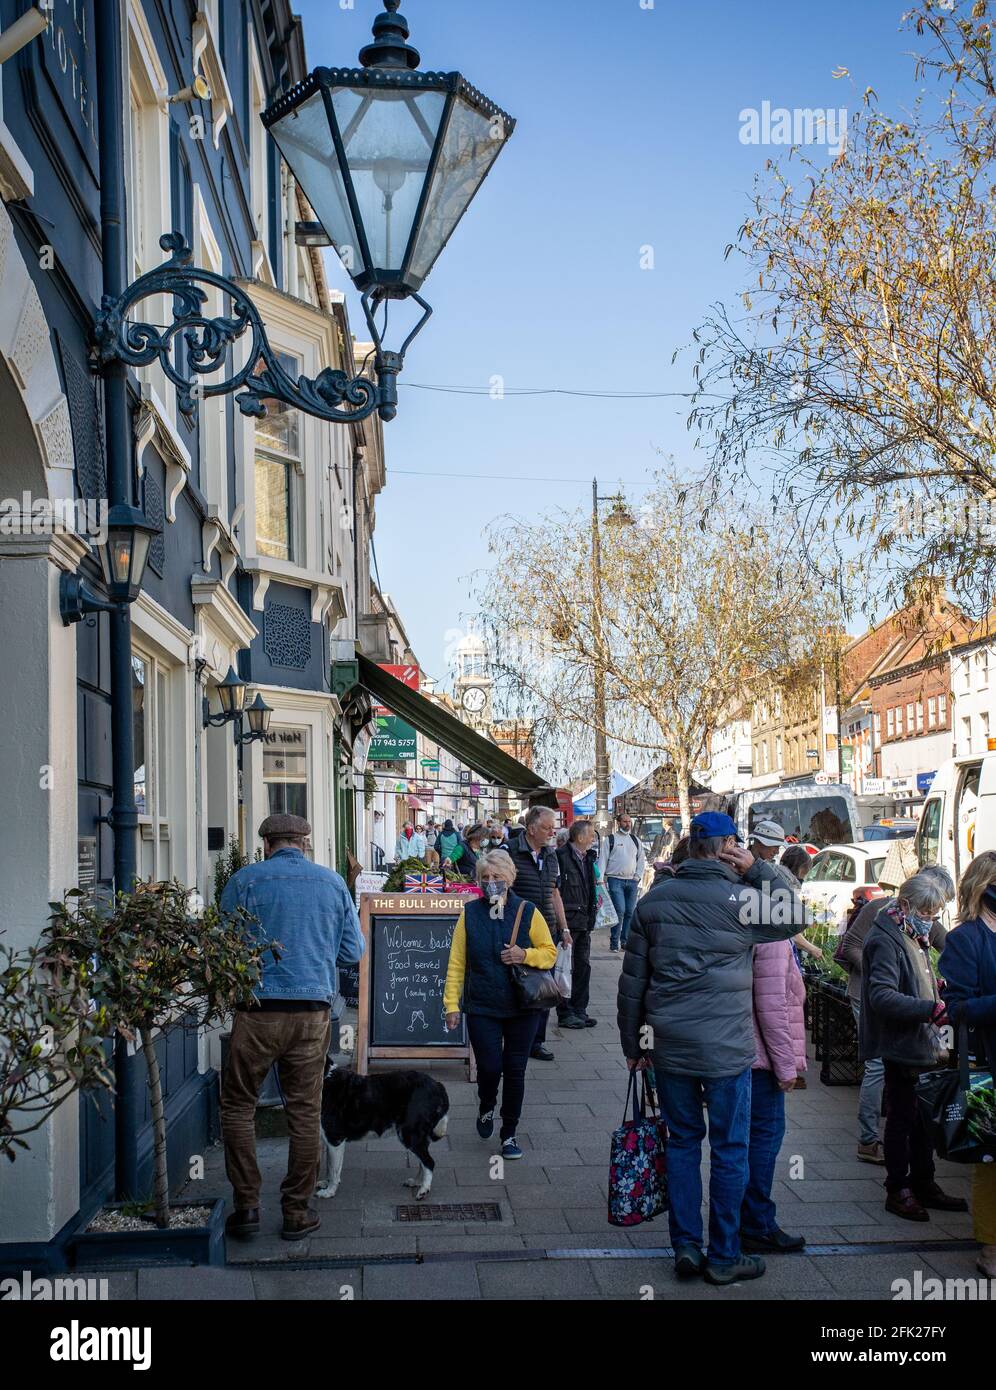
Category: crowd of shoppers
[711,1003]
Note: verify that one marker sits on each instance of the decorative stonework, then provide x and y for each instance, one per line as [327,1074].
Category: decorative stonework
[287,636]
[87,442]
[155,514]
[56,434]
[6,235]
[31,338]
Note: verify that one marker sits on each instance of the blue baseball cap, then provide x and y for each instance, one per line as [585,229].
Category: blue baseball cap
[712,825]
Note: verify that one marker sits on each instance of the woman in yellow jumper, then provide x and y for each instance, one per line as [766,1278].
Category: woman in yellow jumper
[479,984]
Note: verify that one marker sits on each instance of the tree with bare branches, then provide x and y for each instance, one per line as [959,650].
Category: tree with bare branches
[860,380]
[694,604]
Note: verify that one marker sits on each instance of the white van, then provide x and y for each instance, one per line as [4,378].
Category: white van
[819,814]
[958,820]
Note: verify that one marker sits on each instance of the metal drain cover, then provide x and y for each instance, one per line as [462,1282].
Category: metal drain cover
[449,1211]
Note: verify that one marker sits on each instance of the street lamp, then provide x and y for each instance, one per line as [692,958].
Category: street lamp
[619,517]
[123,554]
[232,693]
[389,158]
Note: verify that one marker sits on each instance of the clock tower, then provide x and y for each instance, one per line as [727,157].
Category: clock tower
[474,685]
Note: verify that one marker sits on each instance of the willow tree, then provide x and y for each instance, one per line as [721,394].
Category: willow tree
[859,382]
[696,605]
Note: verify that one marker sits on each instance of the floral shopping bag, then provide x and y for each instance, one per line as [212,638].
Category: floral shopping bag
[637,1168]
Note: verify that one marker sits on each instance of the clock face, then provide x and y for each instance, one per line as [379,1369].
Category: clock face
[474,700]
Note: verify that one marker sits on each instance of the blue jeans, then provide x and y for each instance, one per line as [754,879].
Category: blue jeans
[870,1096]
[623,893]
[767,1130]
[728,1104]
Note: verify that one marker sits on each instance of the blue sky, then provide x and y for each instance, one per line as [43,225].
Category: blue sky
[628,136]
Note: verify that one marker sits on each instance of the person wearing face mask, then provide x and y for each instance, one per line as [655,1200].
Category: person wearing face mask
[479,985]
[901,1013]
[968,967]
[849,956]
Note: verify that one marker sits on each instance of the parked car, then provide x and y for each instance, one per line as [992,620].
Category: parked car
[893,828]
[839,874]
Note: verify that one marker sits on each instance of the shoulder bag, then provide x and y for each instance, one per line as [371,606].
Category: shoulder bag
[534,988]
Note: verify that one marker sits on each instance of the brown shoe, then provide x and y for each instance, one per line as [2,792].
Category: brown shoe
[938,1200]
[301,1224]
[871,1153]
[903,1203]
[243,1223]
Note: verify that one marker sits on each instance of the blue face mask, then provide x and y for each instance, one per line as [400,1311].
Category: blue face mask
[493,890]
[920,925]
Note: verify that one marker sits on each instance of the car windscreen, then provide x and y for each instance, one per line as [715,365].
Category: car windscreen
[889,832]
[816,820]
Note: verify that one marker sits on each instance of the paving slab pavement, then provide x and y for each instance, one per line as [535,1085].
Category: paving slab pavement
[552,1239]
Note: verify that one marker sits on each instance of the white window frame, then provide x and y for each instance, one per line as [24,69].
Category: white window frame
[212,415]
[147,143]
[154,822]
[259,183]
[297,545]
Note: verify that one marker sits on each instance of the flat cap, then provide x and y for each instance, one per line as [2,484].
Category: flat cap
[284,827]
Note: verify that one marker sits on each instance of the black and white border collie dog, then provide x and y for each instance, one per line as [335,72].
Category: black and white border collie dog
[353,1106]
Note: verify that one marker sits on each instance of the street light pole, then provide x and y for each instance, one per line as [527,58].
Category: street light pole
[602,787]
[117,426]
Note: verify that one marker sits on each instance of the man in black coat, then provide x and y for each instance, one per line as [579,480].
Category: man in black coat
[578,893]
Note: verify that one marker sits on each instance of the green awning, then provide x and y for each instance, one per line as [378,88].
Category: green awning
[474,751]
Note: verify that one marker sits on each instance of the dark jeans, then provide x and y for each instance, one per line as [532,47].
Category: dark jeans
[623,893]
[728,1106]
[297,1042]
[767,1130]
[577,1005]
[909,1158]
[501,1050]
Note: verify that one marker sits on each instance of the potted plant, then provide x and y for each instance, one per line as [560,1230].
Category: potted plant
[155,959]
[51,1042]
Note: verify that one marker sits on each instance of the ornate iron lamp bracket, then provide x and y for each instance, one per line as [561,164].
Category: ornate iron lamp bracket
[195,346]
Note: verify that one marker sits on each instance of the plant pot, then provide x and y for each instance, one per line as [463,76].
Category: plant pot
[183,1245]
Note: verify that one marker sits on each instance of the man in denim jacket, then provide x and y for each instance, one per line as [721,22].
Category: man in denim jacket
[308,911]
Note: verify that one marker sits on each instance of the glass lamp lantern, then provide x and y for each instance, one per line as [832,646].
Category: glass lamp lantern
[125,551]
[232,694]
[258,714]
[389,157]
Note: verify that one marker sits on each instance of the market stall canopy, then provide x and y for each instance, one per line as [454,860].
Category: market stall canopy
[474,751]
[657,795]
[584,802]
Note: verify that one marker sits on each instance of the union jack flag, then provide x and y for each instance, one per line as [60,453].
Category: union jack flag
[424,883]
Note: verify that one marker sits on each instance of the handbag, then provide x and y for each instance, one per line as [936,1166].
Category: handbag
[943,1098]
[534,988]
[638,1161]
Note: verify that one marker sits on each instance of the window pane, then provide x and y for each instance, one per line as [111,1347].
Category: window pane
[285,771]
[279,430]
[139,705]
[273,529]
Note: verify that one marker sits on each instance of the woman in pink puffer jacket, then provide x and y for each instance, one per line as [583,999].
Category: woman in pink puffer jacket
[780,1045]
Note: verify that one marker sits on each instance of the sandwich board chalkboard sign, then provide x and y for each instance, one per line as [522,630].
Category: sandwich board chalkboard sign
[402,974]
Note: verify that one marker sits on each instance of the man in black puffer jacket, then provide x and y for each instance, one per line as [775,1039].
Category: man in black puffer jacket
[686,989]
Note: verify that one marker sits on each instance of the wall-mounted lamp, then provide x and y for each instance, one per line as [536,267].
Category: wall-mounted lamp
[123,555]
[197,91]
[232,692]
[19,34]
